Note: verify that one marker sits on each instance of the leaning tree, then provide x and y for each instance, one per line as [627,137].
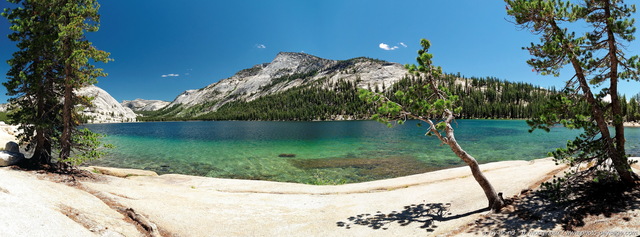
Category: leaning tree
[432,103]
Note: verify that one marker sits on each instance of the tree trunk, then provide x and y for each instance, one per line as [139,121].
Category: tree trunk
[619,160]
[495,200]
[42,151]
[67,119]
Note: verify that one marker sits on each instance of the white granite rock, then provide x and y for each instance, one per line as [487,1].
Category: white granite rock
[144,105]
[105,108]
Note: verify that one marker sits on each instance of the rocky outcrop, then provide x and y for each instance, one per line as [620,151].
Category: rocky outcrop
[290,70]
[105,108]
[11,154]
[144,105]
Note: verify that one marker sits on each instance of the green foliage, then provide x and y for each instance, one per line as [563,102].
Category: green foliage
[88,147]
[4,117]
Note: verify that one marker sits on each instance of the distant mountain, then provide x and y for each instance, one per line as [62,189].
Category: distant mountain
[105,108]
[298,86]
[287,71]
[144,105]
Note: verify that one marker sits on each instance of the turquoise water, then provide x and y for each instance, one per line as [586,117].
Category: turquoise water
[325,152]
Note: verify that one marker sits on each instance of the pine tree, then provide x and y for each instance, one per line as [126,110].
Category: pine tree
[610,26]
[54,59]
[32,80]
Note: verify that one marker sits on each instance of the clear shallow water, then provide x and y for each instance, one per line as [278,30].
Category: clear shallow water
[325,152]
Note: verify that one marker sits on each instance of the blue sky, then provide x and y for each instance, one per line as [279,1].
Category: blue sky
[162,48]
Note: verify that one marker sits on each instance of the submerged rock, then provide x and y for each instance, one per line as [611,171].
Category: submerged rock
[372,168]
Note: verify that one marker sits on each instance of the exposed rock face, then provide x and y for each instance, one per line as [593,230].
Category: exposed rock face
[144,105]
[105,108]
[289,70]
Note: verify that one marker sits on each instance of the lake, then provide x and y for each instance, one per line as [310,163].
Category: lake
[320,152]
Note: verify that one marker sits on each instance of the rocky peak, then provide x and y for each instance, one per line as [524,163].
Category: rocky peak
[287,63]
[289,70]
[144,105]
[105,108]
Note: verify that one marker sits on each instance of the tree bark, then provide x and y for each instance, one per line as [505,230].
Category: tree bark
[495,200]
[67,104]
[67,120]
[42,151]
[619,160]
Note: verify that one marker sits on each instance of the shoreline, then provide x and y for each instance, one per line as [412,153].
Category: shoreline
[186,205]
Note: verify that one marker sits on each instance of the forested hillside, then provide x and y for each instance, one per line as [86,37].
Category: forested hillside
[324,100]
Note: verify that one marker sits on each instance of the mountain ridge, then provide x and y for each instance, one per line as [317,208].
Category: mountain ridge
[286,71]
[144,105]
[299,86]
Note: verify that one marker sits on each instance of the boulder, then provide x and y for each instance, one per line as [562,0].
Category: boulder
[11,155]
[12,147]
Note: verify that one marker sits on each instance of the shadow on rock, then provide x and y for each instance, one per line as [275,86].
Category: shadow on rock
[426,214]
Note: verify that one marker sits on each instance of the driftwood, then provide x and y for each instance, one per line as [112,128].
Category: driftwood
[149,226]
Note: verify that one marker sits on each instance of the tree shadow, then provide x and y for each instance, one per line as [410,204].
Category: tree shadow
[542,211]
[426,214]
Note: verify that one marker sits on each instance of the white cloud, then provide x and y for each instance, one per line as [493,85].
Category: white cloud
[387,47]
[171,75]
[261,46]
